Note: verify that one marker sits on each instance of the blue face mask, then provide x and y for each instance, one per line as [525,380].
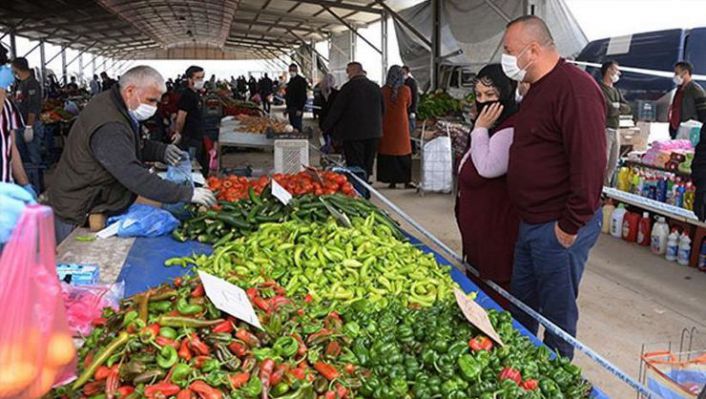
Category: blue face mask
[7,78]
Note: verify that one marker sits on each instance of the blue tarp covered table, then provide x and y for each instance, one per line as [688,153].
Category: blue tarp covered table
[144,268]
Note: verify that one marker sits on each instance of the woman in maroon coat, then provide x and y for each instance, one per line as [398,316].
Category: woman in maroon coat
[486,218]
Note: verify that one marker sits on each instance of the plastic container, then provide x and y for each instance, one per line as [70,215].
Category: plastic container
[631,220]
[643,230]
[608,209]
[616,221]
[684,251]
[672,246]
[658,238]
[702,257]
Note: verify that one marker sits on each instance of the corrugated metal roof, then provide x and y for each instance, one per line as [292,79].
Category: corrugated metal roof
[221,29]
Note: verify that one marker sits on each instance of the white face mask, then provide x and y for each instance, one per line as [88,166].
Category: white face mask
[615,78]
[678,80]
[198,84]
[510,67]
[143,112]
[293,73]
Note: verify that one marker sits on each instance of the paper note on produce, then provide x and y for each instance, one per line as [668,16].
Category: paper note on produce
[280,193]
[476,315]
[229,298]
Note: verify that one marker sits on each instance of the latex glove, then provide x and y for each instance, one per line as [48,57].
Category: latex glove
[203,196]
[28,134]
[30,189]
[13,199]
[616,105]
[172,155]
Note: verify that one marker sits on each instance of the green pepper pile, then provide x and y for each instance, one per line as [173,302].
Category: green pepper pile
[435,353]
[437,104]
[240,218]
[173,342]
[334,263]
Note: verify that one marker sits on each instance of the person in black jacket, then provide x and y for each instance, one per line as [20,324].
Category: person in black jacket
[698,164]
[356,118]
[411,82]
[295,97]
[265,90]
[328,95]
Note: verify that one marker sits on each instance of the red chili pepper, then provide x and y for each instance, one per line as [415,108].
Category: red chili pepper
[308,298]
[247,337]
[152,329]
[178,282]
[164,341]
[162,389]
[349,368]
[184,351]
[266,368]
[278,301]
[224,327]
[480,343]
[125,390]
[88,360]
[328,371]
[239,380]
[341,391]
[199,361]
[263,304]
[318,336]
[112,382]
[330,395]
[101,373]
[98,322]
[298,373]
[198,292]
[278,374]
[302,346]
[198,346]
[238,349]
[509,373]
[333,349]
[93,388]
[530,385]
[205,391]
[185,394]
[252,293]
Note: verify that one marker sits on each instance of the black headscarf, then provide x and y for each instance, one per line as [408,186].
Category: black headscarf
[395,79]
[492,75]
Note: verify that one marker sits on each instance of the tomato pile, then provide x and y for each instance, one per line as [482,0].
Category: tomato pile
[236,188]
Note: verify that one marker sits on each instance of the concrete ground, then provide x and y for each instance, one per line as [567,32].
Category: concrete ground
[628,296]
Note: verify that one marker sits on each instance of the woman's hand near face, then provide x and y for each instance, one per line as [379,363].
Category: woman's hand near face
[489,115]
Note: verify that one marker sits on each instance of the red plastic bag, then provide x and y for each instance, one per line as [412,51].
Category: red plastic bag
[36,349]
[85,303]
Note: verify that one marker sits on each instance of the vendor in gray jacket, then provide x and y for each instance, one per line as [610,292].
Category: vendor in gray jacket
[356,118]
[688,93]
[101,170]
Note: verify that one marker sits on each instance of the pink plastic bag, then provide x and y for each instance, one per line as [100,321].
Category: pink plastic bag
[85,303]
[36,349]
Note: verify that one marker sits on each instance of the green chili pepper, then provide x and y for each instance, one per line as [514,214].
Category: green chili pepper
[160,307]
[286,346]
[253,388]
[262,353]
[280,389]
[181,372]
[167,357]
[129,317]
[186,308]
[168,332]
[209,365]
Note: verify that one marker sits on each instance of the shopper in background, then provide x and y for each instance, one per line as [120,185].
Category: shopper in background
[329,92]
[411,82]
[356,118]
[395,150]
[242,87]
[616,105]
[31,138]
[265,90]
[11,168]
[555,176]
[95,86]
[698,164]
[295,98]
[252,87]
[188,133]
[101,169]
[486,217]
[72,87]
[683,107]
[108,82]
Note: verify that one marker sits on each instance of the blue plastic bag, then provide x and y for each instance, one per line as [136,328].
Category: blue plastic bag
[144,221]
[180,174]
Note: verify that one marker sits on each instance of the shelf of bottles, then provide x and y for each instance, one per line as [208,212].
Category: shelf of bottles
[669,187]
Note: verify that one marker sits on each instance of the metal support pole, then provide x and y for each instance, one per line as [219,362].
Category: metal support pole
[13,44]
[93,64]
[383,44]
[435,43]
[32,49]
[64,73]
[43,63]
[352,29]
[314,64]
[80,67]
[354,43]
[404,23]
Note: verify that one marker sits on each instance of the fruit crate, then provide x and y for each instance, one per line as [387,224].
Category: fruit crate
[291,155]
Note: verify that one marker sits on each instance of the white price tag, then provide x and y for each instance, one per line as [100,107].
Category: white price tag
[229,298]
[280,193]
[476,315]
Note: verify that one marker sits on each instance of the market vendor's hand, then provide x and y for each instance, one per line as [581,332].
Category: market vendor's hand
[565,239]
[489,115]
[13,199]
[203,196]
[176,139]
[172,155]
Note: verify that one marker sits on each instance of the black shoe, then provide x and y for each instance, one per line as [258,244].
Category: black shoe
[410,186]
[392,186]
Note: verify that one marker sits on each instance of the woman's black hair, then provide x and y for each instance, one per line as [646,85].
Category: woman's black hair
[492,75]
[4,59]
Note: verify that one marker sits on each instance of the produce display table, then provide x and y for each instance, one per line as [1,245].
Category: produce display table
[109,254]
[230,136]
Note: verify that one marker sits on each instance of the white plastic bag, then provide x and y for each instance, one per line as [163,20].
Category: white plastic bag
[690,130]
[437,165]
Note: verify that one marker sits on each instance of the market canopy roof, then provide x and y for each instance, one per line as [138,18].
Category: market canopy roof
[174,29]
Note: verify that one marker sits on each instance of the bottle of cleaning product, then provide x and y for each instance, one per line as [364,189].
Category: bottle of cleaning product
[689,196]
[630,222]
[608,209]
[635,185]
[672,246]
[702,257]
[661,189]
[616,221]
[660,231]
[684,252]
[643,230]
[679,200]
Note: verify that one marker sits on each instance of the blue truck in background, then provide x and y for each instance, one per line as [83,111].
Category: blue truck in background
[652,55]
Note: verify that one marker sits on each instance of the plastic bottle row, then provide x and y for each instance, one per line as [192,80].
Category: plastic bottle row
[660,186]
[633,227]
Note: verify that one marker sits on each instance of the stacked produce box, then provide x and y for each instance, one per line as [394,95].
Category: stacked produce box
[349,309]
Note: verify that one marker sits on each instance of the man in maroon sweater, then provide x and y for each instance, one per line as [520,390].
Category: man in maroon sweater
[555,176]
